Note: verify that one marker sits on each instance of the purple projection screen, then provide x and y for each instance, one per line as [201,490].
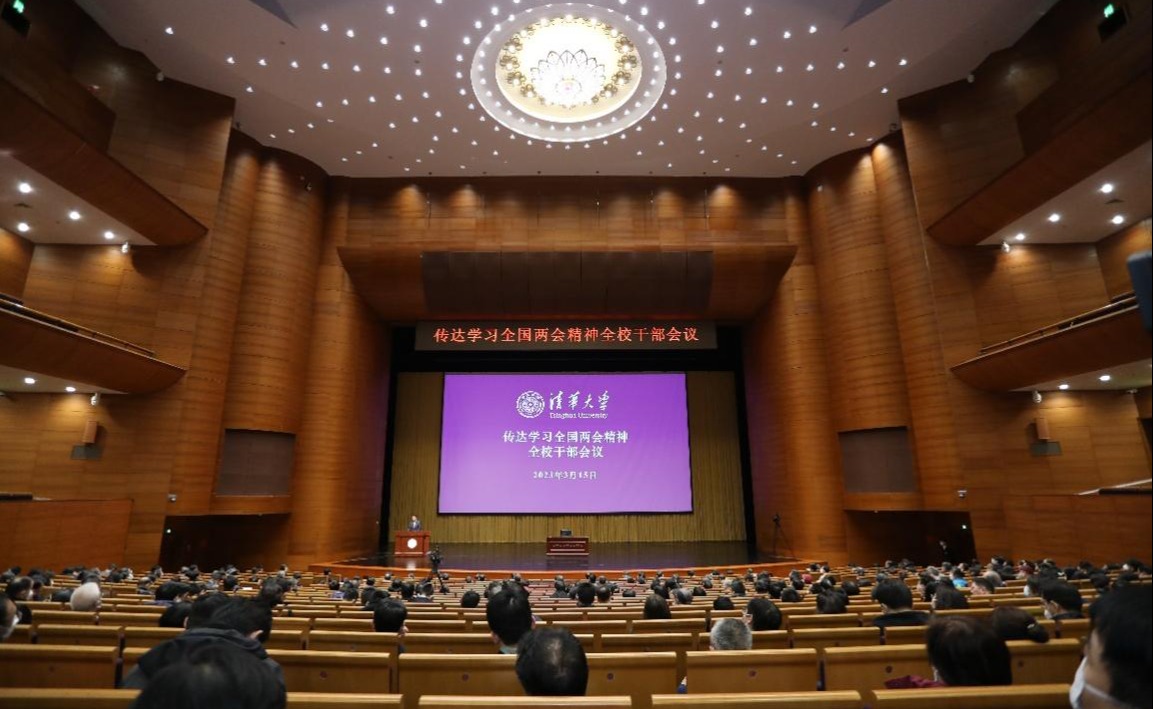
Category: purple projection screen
[564,444]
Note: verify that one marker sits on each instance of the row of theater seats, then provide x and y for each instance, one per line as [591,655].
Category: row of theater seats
[1047,696]
[632,673]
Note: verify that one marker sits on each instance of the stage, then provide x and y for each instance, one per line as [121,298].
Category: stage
[611,559]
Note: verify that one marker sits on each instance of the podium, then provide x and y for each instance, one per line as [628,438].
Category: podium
[566,546]
[411,543]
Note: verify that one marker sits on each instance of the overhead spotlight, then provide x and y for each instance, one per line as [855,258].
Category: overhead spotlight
[1063,386]
[1006,246]
[95,399]
[1037,398]
[125,247]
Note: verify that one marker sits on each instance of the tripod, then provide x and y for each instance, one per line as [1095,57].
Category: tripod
[779,533]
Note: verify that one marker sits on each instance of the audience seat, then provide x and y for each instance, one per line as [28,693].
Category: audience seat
[751,671]
[1042,696]
[93,635]
[424,625]
[639,675]
[679,643]
[801,700]
[762,640]
[323,700]
[122,699]
[1045,663]
[820,638]
[147,637]
[676,625]
[450,643]
[70,666]
[904,635]
[313,671]
[453,702]
[823,620]
[350,624]
[64,617]
[345,641]
[468,675]
[1075,628]
[861,668]
[281,639]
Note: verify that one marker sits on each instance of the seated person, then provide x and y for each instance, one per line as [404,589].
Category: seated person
[723,603]
[763,614]
[832,601]
[171,592]
[656,608]
[981,586]
[1114,672]
[1062,601]
[18,590]
[213,619]
[964,652]
[550,662]
[1013,623]
[726,634]
[86,597]
[214,675]
[9,617]
[949,598]
[469,599]
[175,616]
[896,605]
[586,594]
[509,617]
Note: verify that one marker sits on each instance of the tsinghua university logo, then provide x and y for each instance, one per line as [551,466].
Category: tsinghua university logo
[530,404]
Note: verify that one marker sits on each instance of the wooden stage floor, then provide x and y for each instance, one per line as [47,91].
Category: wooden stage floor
[610,559]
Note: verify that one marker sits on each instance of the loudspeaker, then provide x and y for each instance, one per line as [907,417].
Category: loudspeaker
[1042,425]
[91,428]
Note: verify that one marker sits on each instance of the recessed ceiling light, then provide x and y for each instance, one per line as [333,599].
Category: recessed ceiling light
[787,34]
[812,29]
[169,30]
[1105,377]
[423,22]
[249,89]
[1020,236]
[748,11]
[350,33]
[1054,217]
[29,380]
[1106,188]
[1063,386]
[720,49]
[390,9]
[809,67]
[752,41]
[1118,219]
[70,390]
[903,62]
[780,69]
[323,26]
[74,215]
[714,24]
[109,235]
[294,64]
[262,61]
[24,188]
[884,89]
[840,65]
[872,63]
[22,227]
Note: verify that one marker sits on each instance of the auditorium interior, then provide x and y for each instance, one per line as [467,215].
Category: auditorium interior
[925,329]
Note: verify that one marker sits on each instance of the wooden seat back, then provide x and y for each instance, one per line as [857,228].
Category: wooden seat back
[752,671]
[801,700]
[1036,696]
[863,668]
[121,619]
[762,640]
[680,643]
[64,617]
[1075,628]
[72,666]
[280,639]
[450,643]
[93,635]
[348,624]
[595,626]
[421,625]
[1054,662]
[468,675]
[636,674]
[42,698]
[820,638]
[675,625]
[139,636]
[325,700]
[313,671]
[449,702]
[345,641]
[904,635]
[823,620]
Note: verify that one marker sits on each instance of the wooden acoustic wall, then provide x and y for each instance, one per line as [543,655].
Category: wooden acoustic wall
[336,486]
[67,532]
[718,510]
[792,447]
[1114,250]
[15,260]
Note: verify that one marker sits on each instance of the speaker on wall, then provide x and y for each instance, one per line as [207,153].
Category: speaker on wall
[1042,425]
[91,429]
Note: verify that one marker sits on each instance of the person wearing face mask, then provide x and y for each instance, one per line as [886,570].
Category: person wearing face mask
[1117,666]
[1062,601]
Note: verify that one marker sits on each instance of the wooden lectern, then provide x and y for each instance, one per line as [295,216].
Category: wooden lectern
[412,543]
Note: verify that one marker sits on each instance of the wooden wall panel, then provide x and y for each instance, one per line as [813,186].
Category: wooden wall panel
[866,375]
[15,260]
[792,447]
[53,534]
[337,482]
[270,348]
[1113,250]
[219,301]
[1070,528]
[173,135]
[717,498]
[932,434]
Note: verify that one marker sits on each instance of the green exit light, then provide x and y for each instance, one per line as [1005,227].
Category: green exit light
[18,6]
[1109,9]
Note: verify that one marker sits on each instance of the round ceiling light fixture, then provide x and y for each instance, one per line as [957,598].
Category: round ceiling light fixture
[568,72]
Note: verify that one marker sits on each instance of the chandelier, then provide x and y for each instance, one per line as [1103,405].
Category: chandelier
[568,72]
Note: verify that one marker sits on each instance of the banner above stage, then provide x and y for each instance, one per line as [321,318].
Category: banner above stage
[566,335]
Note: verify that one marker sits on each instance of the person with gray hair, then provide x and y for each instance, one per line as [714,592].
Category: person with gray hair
[86,597]
[730,634]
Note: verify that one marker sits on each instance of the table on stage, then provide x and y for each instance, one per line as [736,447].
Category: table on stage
[412,543]
[567,546]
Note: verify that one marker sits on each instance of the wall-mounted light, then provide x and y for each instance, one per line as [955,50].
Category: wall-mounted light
[1037,398]
[125,247]
[95,400]
[1006,246]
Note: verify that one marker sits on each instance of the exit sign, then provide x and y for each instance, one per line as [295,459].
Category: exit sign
[13,16]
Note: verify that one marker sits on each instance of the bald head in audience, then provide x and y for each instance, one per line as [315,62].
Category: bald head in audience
[86,597]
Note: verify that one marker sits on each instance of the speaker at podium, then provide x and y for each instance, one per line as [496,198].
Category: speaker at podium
[412,543]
